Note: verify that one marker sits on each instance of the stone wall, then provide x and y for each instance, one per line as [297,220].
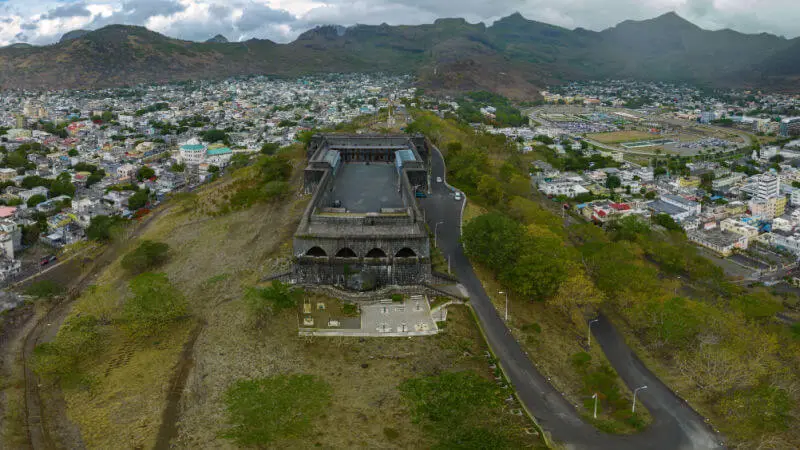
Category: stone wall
[386,271]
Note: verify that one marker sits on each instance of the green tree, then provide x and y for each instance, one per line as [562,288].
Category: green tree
[153,305]
[613,182]
[102,228]
[62,186]
[145,173]
[493,239]
[178,168]
[72,152]
[139,199]
[215,135]
[35,200]
[270,148]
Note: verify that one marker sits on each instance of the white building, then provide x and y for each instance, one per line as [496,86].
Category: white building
[193,152]
[741,228]
[562,187]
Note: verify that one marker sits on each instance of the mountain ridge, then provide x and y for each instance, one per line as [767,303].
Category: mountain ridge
[449,55]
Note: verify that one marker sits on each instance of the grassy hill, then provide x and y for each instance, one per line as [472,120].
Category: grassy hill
[513,56]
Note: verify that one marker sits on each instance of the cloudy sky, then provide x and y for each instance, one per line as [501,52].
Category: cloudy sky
[44,21]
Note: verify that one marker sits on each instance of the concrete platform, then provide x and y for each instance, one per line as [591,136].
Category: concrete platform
[363,188]
[412,317]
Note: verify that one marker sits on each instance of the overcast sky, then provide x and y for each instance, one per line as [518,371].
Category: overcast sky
[44,21]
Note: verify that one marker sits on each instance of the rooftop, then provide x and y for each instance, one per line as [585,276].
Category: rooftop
[363,188]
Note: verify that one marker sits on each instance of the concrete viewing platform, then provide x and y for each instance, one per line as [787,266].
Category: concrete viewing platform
[362,188]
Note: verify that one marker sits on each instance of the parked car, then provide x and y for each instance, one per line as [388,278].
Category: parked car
[420,194]
[457,197]
[438,179]
[47,260]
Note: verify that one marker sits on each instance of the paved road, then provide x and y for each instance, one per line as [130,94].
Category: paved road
[675,425]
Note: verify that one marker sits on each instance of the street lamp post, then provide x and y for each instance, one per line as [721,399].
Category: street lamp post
[635,391]
[595,404]
[506,294]
[590,329]
[436,234]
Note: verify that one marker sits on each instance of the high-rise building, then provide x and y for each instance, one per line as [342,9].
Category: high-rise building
[767,186]
[790,126]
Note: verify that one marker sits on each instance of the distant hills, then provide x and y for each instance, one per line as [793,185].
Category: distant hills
[74,34]
[218,39]
[514,56]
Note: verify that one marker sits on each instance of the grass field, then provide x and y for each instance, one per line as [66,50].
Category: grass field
[616,137]
[214,259]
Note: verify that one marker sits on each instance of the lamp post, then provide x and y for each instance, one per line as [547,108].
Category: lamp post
[595,404]
[635,391]
[506,294]
[436,234]
[590,329]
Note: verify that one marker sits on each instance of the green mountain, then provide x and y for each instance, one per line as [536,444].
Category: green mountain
[514,56]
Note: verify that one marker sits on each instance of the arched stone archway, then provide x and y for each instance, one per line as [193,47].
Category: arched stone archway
[346,252]
[376,253]
[405,252]
[316,251]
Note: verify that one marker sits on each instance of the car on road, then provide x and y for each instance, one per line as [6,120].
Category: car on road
[420,194]
[47,260]
[457,197]
[438,179]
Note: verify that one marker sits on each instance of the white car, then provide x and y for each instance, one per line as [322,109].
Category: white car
[457,197]
[438,179]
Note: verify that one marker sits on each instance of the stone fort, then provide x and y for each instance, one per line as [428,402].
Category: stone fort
[363,228]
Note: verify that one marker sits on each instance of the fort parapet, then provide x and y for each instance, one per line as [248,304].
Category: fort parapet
[362,228]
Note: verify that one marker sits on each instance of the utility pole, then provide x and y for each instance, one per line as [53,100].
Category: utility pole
[595,404]
[593,321]
[635,391]
[506,294]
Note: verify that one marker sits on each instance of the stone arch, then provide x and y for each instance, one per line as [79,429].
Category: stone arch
[316,251]
[346,252]
[376,253]
[405,252]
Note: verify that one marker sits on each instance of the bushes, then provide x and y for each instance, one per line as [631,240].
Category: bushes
[275,298]
[44,289]
[533,266]
[148,255]
[102,228]
[154,304]
[264,410]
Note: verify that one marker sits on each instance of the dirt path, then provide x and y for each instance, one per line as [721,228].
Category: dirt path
[50,428]
[169,419]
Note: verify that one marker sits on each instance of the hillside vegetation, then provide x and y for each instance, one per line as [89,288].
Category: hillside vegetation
[718,344]
[514,56]
[179,344]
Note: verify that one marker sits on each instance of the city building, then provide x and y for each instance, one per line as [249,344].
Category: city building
[722,242]
[790,127]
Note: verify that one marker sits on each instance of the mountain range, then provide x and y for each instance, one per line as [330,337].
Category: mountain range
[514,56]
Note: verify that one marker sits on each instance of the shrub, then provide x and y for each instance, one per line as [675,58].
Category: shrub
[44,289]
[146,256]
[154,303]
[263,410]
[397,297]
[275,298]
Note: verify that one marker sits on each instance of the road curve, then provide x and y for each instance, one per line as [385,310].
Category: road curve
[675,425]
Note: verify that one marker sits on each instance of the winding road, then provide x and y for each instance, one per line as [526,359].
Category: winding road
[675,425]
